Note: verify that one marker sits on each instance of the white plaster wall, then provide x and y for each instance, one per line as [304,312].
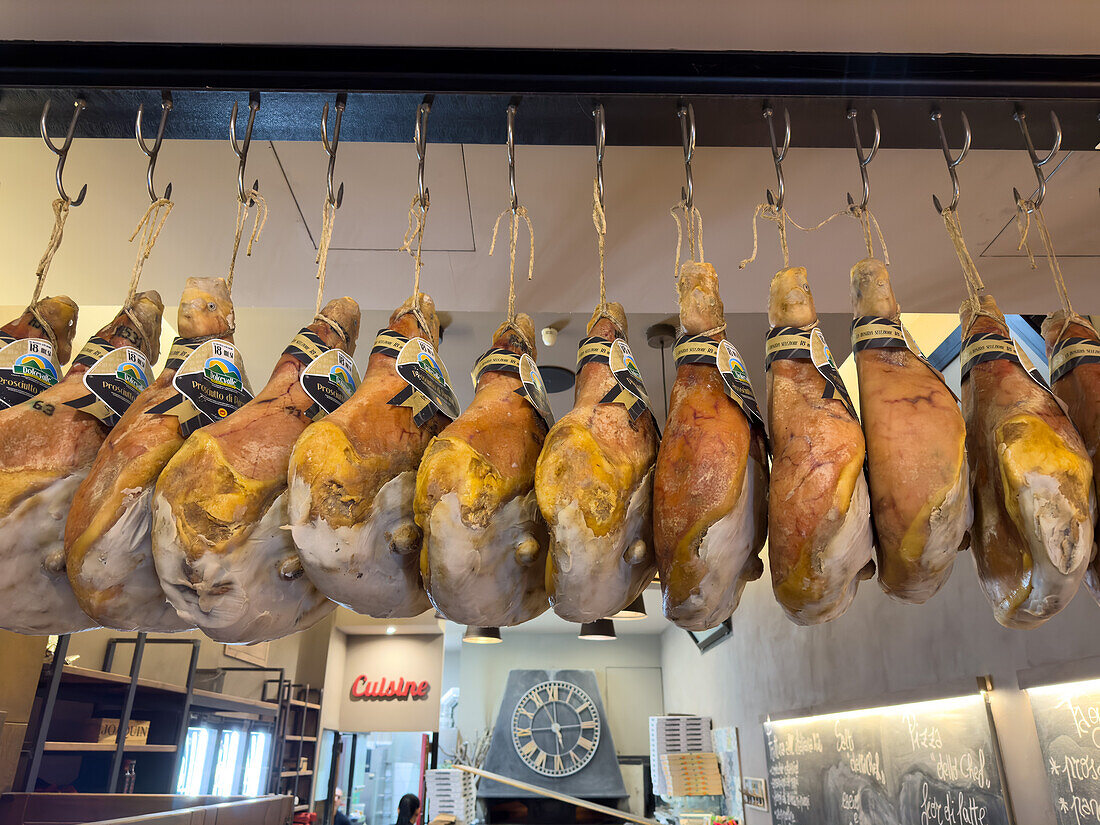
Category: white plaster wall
[879,652]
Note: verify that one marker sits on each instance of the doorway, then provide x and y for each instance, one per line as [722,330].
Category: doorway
[374,770]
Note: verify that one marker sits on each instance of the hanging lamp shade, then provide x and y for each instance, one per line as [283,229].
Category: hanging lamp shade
[482,635]
[634,610]
[601,630]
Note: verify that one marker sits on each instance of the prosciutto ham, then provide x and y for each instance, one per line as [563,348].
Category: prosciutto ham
[1034,504]
[59,314]
[352,478]
[1073,349]
[47,446]
[225,561]
[108,544]
[594,481]
[916,446]
[484,554]
[819,519]
[710,494]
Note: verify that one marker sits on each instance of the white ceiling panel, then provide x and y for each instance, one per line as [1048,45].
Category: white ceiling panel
[379,183]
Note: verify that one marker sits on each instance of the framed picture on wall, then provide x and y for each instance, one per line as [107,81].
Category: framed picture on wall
[706,639]
[253,654]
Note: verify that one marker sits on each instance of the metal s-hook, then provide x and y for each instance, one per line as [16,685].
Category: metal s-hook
[63,153]
[1021,118]
[336,198]
[241,151]
[420,138]
[864,162]
[166,107]
[778,155]
[686,114]
[513,105]
[937,118]
[601,143]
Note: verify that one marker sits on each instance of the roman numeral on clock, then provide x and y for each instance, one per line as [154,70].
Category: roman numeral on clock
[529,748]
[585,743]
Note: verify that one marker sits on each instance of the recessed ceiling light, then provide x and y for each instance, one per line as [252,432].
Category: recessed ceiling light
[391,630]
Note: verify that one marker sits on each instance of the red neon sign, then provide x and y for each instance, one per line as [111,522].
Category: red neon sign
[361,688]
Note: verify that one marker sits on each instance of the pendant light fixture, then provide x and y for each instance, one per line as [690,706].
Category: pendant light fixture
[601,630]
[634,610]
[482,635]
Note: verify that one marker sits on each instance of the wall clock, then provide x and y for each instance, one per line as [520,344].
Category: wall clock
[555,728]
[536,707]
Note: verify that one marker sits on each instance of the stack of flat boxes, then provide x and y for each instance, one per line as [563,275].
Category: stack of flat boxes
[451,792]
[673,735]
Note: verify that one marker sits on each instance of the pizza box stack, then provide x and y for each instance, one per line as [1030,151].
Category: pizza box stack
[675,734]
[692,774]
[451,792]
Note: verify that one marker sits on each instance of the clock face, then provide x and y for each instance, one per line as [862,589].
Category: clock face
[555,728]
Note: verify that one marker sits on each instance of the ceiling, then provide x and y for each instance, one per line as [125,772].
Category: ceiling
[940,26]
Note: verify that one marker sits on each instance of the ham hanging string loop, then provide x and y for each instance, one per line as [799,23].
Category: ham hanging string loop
[1024,210]
[599,220]
[328,218]
[694,225]
[974,285]
[418,219]
[149,227]
[869,222]
[780,217]
[252,198]
[60,215]
[513,237]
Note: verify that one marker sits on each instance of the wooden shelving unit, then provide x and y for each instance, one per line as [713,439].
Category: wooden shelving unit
[298,736]
[68,694]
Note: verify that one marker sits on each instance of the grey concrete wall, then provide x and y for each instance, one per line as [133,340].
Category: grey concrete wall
[882,652]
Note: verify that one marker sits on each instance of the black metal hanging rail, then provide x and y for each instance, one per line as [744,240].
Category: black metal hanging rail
[385,85]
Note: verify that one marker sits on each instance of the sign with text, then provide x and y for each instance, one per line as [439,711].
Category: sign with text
[1067,718]
[931,763]
[391,683]
[364,688]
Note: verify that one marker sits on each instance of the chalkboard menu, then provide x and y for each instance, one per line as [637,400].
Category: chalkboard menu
[930,763]
[1067,718]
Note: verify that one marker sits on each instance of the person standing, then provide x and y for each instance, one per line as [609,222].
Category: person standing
[408,809]
[340,818]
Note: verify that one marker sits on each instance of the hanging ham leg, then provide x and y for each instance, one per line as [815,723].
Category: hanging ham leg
[710,489]
[594,484]
[484,554]
[47,447]
[59,313]
[352,477]
[819,520]
[225,561]
[1034,505]
[916,447]
[108,545]
[1073,348]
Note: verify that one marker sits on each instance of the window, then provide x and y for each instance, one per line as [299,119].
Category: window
[225,768]
[254,773]
[195,750]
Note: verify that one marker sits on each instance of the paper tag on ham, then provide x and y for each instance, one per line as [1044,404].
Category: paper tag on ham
[629,390]
[330,379]
[210,383]
[702,349]
[27,366]
[429,385]
[876,332]
[797,344]
[531,385]
[1068,355]
[114,381]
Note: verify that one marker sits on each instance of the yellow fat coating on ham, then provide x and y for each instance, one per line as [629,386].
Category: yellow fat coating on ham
[450,465]
[1029,445]
[219,503]
[574,467]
